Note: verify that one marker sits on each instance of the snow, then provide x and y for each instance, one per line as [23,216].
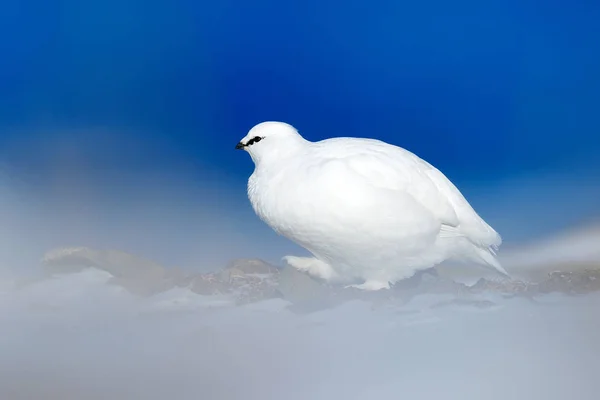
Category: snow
[78,337]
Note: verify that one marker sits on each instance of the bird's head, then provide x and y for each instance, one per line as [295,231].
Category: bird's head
[270,141]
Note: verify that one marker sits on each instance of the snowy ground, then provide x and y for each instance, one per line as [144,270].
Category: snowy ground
[76,337]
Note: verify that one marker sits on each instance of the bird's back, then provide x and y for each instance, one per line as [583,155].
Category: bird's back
[395,168]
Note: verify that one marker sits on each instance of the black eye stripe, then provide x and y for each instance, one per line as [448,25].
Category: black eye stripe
[255,139]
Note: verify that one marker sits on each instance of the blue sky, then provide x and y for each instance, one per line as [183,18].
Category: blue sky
[489,92]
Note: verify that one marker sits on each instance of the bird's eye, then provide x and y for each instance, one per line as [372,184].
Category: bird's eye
[255,139]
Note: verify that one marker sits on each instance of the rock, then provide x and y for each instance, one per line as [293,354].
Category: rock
[506,286]
[66,260]
[115,262]
[251,280]
[251,266]
[247,279]
[575,282]
[136,274]
[208,284]
[572,282]
[258,291]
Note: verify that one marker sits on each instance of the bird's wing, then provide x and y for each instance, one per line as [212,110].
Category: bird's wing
[471,224]
[394,168]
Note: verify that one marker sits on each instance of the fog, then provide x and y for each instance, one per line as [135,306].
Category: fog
[76,336]
[121,189]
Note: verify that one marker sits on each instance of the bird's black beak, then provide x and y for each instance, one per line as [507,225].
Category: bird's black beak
[239,146]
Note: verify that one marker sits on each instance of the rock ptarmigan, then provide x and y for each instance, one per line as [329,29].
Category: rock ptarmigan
[370,212]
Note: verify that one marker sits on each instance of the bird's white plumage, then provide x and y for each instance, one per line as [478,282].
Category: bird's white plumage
[368,211]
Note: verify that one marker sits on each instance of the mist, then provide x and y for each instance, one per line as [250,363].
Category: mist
[118,122]
[118,189]
[78,336]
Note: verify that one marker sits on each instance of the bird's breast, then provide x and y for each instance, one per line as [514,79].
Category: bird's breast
[287,205]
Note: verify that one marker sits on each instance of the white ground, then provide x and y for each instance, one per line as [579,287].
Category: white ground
[77,338]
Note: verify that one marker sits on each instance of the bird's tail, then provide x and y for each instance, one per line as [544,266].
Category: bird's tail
[483,253]
[487,257]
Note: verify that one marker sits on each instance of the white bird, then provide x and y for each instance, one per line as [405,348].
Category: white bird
[370,212]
